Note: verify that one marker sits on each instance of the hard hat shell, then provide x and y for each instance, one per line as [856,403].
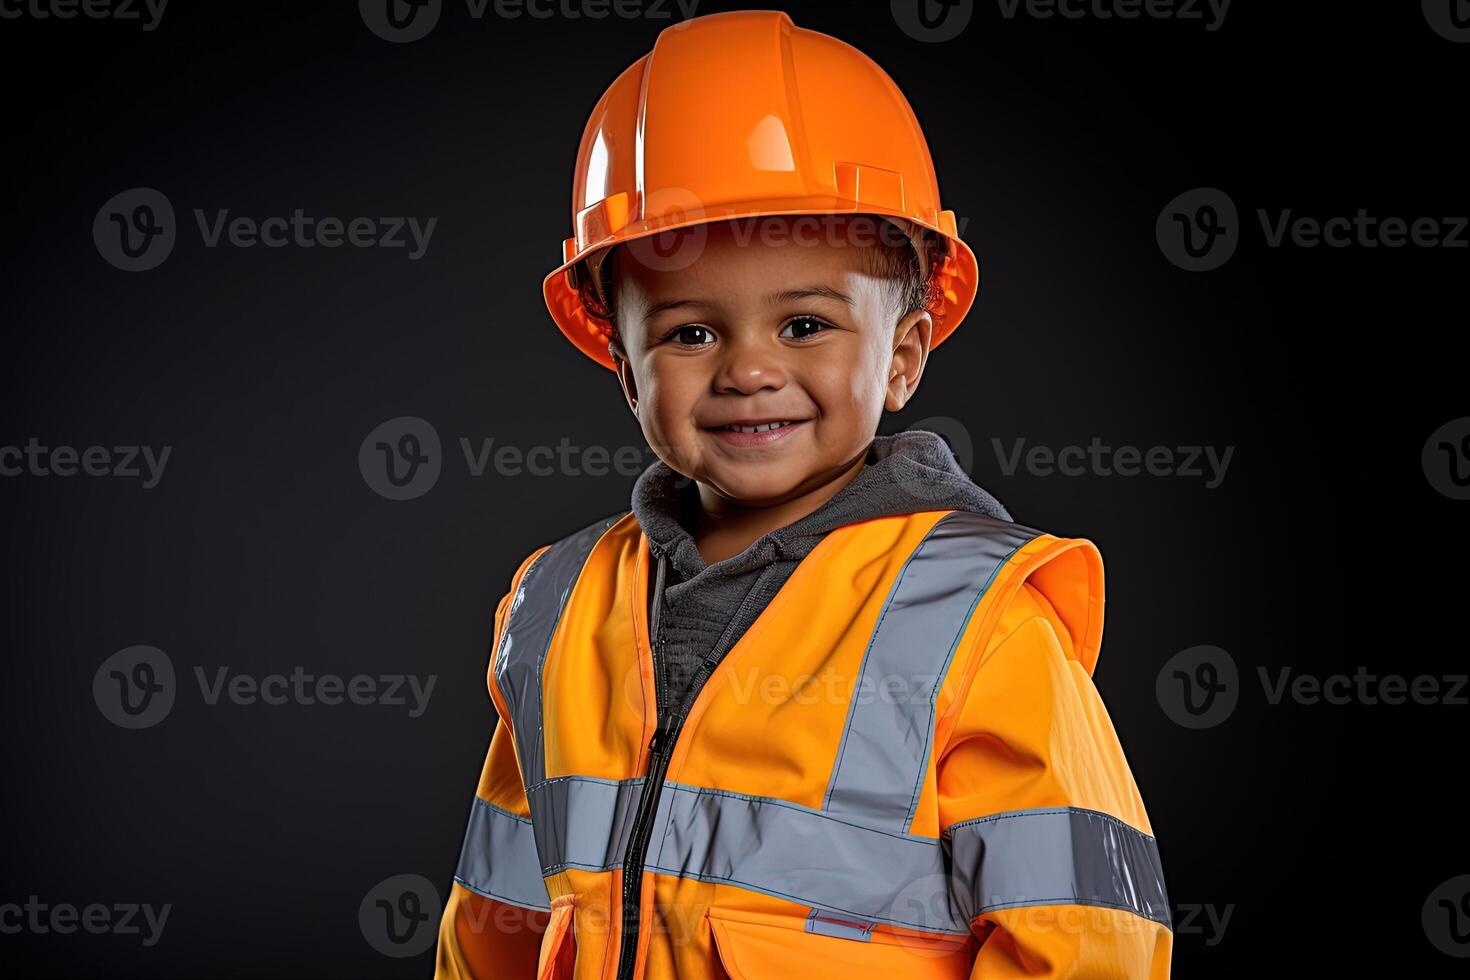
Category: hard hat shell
[743,114]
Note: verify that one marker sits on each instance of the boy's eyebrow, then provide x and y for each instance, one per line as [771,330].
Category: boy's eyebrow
[774,299]
[789,295]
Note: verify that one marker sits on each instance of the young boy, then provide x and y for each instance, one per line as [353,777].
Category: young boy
[822,709]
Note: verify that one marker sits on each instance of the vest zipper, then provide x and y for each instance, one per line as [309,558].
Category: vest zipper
[660,749]
[658,764]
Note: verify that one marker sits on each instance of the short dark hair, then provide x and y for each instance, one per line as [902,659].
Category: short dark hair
[893,258]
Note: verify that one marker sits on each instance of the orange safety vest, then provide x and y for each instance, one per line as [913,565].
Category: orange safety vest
[901,769]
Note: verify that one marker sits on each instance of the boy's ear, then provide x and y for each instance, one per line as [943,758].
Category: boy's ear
[911,338]
[625,373]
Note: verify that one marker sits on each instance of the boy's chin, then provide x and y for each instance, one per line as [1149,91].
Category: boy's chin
[757,484]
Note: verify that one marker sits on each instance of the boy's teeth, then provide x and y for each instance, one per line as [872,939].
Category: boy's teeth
[755,428]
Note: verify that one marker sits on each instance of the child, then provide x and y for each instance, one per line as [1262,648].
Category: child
[824,710]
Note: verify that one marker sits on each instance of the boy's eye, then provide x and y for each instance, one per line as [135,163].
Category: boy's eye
[815,327]
[697,335]
[686,333]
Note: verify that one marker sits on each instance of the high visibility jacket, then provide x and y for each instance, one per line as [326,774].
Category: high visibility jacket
[901,769]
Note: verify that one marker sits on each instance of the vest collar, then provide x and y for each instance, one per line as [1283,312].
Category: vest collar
[906,472]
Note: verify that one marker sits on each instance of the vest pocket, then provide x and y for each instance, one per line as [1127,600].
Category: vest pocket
[558,956]
[754,947]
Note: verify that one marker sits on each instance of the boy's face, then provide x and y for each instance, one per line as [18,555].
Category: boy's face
[762,327]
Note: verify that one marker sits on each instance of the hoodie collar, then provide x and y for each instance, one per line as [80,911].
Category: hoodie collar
[906,472]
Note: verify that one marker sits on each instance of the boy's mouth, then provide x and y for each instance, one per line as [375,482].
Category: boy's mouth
[755,432]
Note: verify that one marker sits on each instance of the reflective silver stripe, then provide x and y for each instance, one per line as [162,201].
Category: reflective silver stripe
[850,872]
[532,618]
[885,745]
[583,822]
[498,858]
[1056,856]
[847,872]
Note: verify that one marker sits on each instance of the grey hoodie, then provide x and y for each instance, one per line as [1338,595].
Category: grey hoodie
[698,611]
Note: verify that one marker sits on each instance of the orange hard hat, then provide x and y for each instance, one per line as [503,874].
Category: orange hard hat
[744,114]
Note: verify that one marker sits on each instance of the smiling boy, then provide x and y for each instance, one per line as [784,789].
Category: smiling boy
[814,705]
[818,340]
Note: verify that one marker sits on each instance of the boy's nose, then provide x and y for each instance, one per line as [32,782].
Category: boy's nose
[748,366]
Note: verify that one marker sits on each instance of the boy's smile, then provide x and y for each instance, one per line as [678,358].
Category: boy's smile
[762,329]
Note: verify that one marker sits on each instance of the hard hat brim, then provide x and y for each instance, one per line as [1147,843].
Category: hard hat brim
[958,277]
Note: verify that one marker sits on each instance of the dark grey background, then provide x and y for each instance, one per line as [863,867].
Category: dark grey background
[1320,829]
